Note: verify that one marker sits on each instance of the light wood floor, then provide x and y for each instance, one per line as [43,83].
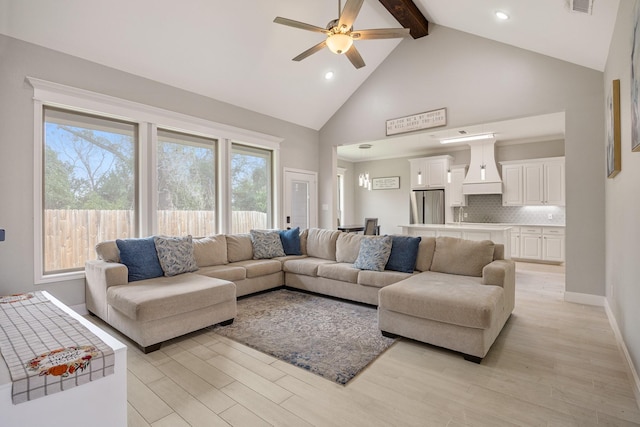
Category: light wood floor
[554,364]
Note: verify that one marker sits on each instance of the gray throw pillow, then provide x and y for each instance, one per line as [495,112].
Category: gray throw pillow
[175,254]
[266,244]
[374,253]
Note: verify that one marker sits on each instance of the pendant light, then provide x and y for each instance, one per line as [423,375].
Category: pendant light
[364,180]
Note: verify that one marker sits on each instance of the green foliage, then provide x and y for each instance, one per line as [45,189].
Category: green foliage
[249,182]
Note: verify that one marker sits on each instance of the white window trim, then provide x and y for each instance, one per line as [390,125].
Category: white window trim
[148,118]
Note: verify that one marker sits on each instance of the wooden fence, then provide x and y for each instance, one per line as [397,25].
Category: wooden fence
[70,236]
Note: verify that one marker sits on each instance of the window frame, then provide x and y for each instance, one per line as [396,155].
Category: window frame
[149,119]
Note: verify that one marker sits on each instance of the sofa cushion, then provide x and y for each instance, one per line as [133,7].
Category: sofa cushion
[291,241]
[239,247]
[303,241]
[379,279]
[322,243]
[344,272]
[266,244]
[446,298]
[108,251]
[140,257]
[463,257]
[175,254]
[426,248]
[305,266]
[260,267]
[348,247]
[404,252]
[374,253]
[211,250]
[163,297]
[229,272]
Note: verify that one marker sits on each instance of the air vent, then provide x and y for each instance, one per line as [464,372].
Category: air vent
[582,6]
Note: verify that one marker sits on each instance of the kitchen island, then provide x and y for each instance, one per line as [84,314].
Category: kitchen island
[494,232]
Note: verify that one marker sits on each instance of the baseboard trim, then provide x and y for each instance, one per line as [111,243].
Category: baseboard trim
[631,369]
[586,299]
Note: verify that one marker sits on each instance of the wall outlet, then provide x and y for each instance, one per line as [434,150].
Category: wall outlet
[550,216]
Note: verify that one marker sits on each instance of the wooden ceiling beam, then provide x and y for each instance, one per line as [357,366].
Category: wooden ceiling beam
[409,16]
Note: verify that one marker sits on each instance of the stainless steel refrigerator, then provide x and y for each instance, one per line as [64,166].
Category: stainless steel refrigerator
[427,207]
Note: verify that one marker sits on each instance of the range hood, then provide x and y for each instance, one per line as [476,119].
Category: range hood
[482,176]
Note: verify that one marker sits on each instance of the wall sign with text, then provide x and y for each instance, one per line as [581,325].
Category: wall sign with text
[426,120]
[386,183]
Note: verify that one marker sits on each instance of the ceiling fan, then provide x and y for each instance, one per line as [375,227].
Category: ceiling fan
[340,33]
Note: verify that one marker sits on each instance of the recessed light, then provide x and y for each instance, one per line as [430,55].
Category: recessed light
[329,75]
[501,15]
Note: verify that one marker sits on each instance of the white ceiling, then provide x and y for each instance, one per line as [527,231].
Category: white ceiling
[233,52]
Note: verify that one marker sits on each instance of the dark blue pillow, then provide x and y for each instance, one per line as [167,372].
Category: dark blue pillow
[291,241]
[404,252]
[140,257]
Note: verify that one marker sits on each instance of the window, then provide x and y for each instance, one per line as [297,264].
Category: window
[251,188]
[108,168]
[89,186]
[186,177]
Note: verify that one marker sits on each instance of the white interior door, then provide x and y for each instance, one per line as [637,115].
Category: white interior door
[300,199]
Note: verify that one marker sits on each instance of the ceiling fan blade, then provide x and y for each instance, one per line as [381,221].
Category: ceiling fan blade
[311,51]
[349,13]
[354,57]
[382,33]
[298,24]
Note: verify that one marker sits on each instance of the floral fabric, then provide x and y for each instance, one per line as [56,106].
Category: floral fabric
[266,244]
[175,254]
[374,253]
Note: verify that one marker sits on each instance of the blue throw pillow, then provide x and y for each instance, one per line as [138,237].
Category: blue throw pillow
[404,253]
[291,241]
[374,253]
[140,257]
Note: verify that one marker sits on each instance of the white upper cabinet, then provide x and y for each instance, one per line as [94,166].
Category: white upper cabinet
[429,172]
[456,197]
[512,185]
[534,182]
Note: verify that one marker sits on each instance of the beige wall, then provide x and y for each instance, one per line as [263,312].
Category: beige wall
[19,59]
[481,81]
[622,202]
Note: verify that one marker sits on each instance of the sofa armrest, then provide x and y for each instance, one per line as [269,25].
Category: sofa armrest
[99,276]
[502,273]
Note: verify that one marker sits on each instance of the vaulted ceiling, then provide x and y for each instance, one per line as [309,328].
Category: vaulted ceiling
[233,52]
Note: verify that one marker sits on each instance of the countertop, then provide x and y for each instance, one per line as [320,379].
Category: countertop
[506,224]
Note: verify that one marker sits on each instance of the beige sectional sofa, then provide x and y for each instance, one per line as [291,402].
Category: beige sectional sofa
[419,305]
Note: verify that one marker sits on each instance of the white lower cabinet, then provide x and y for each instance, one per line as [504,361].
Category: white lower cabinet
[553,244]
[531,242]
[515,242]
[539,243]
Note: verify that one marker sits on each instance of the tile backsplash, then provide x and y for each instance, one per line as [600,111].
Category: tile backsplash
[488,208]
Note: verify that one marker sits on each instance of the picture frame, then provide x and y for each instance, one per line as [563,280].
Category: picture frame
[420,121]
[614,152]
[386,183]
[635,81]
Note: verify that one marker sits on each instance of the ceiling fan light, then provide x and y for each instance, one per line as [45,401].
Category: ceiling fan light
[339,43]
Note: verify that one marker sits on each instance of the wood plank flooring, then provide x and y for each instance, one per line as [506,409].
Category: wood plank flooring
[554,364]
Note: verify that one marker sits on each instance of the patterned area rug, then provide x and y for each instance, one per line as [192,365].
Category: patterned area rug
[331,338]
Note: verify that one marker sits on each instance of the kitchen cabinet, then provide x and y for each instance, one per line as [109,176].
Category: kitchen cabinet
[553,244]
[514,235]
[512,185]
[456,197]
[429,172]
[493,232]
[535,182]
[539,243]
[531,243]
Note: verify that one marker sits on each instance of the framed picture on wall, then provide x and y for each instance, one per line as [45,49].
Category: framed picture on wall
[635,81]
[614,162]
